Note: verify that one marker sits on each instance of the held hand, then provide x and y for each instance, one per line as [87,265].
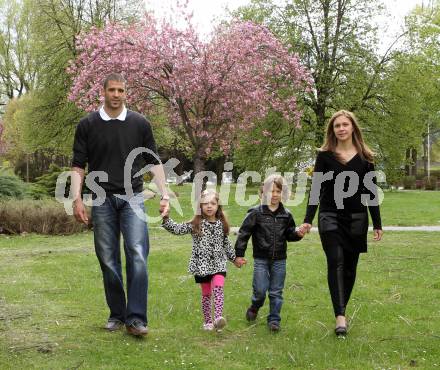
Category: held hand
[305,227]
[164,208]
[80,212]
[239,261]
[377,234]
[301,232]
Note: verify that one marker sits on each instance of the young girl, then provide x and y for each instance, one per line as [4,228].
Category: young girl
[210,251]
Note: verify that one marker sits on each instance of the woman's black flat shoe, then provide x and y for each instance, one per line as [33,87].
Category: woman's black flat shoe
[341,331]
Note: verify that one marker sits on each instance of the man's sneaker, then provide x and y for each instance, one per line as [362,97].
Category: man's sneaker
[113,325]
[136,328]
[208,326]
[274,327]
[219,323]
[251,313]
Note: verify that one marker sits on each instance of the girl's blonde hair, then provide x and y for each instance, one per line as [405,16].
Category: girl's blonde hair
[196,221]
[280,183]
[331,141]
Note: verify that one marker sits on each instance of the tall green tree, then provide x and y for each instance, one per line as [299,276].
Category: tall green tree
[336,40]
[424,43]
[56,25]
[38,40]
[18,68]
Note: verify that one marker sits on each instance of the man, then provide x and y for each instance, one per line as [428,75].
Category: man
[104,140]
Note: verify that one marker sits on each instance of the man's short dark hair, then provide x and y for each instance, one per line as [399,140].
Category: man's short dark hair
[114,77]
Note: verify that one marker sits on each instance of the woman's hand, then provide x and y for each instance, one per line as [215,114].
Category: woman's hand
[301,232]
[377,234]
[305,227]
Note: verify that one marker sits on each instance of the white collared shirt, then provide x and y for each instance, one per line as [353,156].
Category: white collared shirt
[106,117]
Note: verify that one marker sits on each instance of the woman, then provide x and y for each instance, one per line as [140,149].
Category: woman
[340,185]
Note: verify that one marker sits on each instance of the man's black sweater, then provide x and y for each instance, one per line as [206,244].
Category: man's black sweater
[105,146]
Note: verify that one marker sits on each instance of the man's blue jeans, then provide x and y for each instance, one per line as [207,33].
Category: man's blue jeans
[269,275]
[113,217]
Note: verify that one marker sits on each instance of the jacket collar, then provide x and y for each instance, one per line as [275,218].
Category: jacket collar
[281,210]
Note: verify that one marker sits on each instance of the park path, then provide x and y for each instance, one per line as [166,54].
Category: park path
[234,229]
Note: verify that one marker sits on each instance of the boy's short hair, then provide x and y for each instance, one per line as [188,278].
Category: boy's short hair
[279,182]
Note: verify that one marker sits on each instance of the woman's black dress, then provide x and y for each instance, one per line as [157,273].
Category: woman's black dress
[345,226]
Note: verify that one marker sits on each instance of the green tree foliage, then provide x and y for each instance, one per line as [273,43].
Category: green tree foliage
[37,41]
[336,40]
[56,25]
[18,68]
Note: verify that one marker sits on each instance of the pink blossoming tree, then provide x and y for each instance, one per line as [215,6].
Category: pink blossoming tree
[212,90]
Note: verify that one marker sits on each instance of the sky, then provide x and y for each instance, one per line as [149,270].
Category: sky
[206,10]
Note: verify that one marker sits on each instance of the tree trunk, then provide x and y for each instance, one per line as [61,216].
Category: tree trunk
[199,166]
[407,162]
[425,157]
[27,167]
[320,125]
[219,166]
[414,161]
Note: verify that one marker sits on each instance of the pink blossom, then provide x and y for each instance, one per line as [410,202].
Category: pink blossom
[210,88]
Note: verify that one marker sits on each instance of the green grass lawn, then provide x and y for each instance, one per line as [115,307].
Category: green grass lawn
[399,208]
[52,309]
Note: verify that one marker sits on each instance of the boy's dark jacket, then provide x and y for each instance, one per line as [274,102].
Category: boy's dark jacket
[269,232]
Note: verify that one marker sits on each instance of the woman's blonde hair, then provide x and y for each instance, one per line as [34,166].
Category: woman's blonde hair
[220,215]
[280,183]
[331,141]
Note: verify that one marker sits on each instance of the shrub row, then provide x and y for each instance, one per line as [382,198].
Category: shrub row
[431,183]
[36,216]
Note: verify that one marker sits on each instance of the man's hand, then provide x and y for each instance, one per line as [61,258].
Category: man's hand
[239,261]
[164,207]
[377,234]
[79,211]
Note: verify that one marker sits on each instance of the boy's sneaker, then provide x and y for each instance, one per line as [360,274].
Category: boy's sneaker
[251,313]
[220,323]
[208,326]
[274,327]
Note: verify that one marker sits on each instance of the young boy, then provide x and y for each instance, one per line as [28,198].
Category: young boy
[271,226]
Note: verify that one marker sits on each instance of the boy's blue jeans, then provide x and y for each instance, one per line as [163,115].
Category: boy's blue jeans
[269,275]
[113,217]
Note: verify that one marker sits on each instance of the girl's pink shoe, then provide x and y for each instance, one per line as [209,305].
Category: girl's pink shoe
[208,327]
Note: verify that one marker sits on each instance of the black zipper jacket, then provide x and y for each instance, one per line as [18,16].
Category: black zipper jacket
[270,232]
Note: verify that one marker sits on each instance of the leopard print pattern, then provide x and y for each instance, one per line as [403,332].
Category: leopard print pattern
[210,250]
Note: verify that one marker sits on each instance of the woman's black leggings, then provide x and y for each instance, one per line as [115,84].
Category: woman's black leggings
[341,265]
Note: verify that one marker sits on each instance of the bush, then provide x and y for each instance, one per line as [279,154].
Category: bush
[37,216]
[11,186]
[409,182]
[47,182]
[35,191]
[430,182]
